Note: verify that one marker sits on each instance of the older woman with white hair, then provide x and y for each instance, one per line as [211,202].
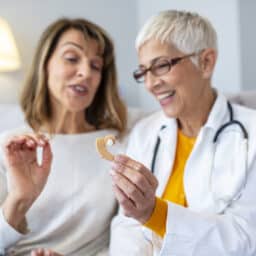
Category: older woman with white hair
[188,179]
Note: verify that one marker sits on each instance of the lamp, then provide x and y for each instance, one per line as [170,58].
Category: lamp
[9,55]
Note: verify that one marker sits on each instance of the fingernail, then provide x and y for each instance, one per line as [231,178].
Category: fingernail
[112,173]
[30,143]
[118,158]
[115,165]
[42,142]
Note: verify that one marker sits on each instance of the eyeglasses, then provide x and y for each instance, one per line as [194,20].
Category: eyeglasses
[159,66]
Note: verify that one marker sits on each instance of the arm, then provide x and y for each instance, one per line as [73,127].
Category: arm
[26,181]
[127,238]
[191,233]
[127,232]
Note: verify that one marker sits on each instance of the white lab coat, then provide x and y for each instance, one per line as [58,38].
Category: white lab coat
[212,224]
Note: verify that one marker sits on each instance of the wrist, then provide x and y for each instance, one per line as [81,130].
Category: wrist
[14,211]
[148,213]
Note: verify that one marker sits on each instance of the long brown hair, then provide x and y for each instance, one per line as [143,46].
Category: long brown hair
[107,110]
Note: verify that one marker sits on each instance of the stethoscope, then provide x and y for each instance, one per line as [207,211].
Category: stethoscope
[231,121]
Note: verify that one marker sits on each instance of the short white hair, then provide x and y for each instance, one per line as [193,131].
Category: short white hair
[186,31]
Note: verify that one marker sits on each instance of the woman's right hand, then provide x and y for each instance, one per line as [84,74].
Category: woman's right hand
[27,177]
[44,252]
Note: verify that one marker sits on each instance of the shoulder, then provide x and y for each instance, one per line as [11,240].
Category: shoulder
[147,129]
[150,123]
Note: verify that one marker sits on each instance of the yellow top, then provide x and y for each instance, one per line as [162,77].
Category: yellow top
[174,190]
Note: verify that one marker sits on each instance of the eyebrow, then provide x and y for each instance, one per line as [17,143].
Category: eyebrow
[74,44]
[154,60]
[78,46]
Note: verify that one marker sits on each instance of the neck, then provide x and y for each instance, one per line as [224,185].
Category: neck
[191,123]
[67,122]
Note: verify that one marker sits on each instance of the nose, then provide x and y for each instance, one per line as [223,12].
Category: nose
[84,69]
[151,81]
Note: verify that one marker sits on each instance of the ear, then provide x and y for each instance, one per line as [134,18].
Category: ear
[207,62]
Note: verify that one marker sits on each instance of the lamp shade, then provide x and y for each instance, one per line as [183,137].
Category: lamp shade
[9,55]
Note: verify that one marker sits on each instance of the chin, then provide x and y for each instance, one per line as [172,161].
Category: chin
[76,108]
[171,113]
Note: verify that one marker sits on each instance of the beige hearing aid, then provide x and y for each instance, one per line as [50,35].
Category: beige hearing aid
[101,144]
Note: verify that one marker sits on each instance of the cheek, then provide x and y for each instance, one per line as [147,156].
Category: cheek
[57,81]
[96,82]
[188,93]
[57,72]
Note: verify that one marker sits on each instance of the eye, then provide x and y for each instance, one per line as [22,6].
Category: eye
[162,64]
[72,59]
[96,66]
[161,67]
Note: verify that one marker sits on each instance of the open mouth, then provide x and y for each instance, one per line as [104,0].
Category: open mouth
[79,89]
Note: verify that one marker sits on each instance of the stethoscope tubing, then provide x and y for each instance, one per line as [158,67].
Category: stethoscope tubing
[231,121]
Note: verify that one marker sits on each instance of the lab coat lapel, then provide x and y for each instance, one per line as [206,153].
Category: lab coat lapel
[197,173]
[199,165]
[166,155]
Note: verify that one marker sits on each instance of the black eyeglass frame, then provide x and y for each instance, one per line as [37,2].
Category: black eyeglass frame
[172,62]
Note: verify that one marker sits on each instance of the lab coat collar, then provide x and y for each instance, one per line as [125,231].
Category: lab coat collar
[217,113]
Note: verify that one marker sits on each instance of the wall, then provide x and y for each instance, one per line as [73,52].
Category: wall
[233,20]
[248,43]
[28,18]
[224,15]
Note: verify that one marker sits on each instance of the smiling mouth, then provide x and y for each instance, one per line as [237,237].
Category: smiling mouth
[166,95]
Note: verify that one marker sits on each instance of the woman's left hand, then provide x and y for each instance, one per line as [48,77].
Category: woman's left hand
[134,186]
[44,252]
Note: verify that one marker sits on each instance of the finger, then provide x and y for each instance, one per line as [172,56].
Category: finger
[37,252]
[48,253]
[137,166]
[126,204]
[13,150]
[33,253]
[25,141]
[135,177]
[32,140]
[128,188]
[40,252]
[47,157]
[30,144]
[14,143]
[21,143]
[39,139]
[51,253]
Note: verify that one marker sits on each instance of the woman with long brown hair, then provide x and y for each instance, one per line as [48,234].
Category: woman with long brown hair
[71,97]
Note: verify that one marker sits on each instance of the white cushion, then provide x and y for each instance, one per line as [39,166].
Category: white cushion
[11,115]
[245,98]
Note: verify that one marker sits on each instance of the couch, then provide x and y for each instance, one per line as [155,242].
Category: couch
[12,117]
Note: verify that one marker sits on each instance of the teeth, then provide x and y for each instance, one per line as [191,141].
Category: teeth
[165,95]
[80,88]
